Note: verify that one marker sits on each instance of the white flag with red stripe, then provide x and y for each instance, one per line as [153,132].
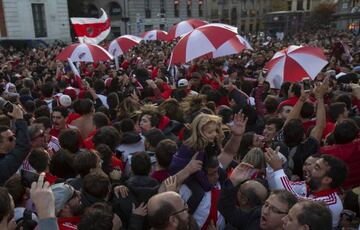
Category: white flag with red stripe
[91,30]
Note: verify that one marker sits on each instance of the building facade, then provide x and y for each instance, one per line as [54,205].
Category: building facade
[46,20]
[137,16]
[292,16]
[348,15]
[247,15]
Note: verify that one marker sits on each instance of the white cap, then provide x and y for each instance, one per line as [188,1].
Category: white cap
[183,83]
[65,100]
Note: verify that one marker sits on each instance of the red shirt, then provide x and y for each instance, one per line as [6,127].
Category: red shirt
[68,223]
[160,175]
[350,153]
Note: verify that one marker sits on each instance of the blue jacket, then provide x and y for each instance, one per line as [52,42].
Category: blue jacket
[11,161]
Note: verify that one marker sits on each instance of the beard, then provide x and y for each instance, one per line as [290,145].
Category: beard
[189,224]
[314,183]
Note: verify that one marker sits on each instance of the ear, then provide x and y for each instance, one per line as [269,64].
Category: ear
[327,180]
[173,221]
[305,227]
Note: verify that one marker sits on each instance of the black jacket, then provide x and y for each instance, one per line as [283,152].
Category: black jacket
[141,189]
[234,216]
[11,161]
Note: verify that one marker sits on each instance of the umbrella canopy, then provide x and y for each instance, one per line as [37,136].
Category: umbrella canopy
[293,64]
[78,52]
[123,44]
[154,35]
[233,46]
[202,41]
[184,27]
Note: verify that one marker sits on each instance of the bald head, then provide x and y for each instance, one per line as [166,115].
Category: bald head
[255,192]
[161,207]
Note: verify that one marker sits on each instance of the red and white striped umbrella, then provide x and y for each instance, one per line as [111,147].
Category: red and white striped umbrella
[154,35]
[78,52]
[202,41]
[123,44]
[233,46]
[184,27]
[293,64]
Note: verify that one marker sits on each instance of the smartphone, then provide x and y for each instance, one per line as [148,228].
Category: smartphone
[8,107]
[306,84]
[28,177]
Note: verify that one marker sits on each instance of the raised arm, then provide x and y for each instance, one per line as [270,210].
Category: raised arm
[319,93]
[232,146]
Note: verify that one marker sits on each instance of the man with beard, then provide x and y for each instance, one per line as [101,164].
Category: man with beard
[168,211]
[67,205]
[326,176]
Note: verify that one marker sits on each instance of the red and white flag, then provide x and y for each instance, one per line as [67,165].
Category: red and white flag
[91,30]
[77,76]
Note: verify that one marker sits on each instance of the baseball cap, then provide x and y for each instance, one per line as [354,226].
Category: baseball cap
[183,83]
[65,100]
[62,194]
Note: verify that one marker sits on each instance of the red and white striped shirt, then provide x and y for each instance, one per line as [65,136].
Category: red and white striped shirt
[279,180]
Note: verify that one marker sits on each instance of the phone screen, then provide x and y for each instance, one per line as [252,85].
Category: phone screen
[28,177]
[306,84]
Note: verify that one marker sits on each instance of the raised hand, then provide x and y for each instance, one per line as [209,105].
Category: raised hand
[171,184]
[322,89]
[239,126]
[242,172]
[43,198]
[273,159]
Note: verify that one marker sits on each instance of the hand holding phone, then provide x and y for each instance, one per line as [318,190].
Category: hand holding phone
[306,84]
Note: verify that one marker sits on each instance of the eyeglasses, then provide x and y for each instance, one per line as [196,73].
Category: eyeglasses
[182,210]
[274,209]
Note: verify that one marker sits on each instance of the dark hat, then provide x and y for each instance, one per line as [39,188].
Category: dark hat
[154,136]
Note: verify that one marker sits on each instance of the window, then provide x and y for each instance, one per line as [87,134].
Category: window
[38,11]
[201,13]
[162,8]
[115,9]
[116,31]
[233,16]
[162,27]
[251,27]
[176,8]
[93,11]
[147,9]
[188,8]
[308,4]
[299,5]
[148,27]
[289,5]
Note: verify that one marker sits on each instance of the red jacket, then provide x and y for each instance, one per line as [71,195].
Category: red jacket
[350,153]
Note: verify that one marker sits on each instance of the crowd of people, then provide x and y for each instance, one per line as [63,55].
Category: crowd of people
[205,145]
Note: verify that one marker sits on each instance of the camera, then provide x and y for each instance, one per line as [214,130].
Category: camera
[28,177]
[6,106]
